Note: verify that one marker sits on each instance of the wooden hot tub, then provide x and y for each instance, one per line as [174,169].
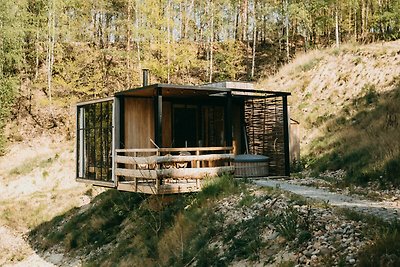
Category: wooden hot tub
[247,165]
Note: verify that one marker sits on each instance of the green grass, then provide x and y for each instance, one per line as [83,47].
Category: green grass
[366,143]
[174,230]
[384,250]
[146,230]
[309,65]
[31,164]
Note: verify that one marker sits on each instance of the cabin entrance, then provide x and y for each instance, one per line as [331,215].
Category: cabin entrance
[185,126]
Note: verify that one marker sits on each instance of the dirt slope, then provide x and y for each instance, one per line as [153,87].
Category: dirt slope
[323,82]
[36,184]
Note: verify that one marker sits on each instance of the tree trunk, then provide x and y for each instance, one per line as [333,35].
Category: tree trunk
[137,36]
[243,12]
[253,58]
[355,21]
[128,46]
[287,29]
[237,23]
[211,43]
[50,50]
[168,41]
[363,19]
[337,27]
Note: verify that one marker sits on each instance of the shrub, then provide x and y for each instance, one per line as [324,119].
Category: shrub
[384,251]
[392,170]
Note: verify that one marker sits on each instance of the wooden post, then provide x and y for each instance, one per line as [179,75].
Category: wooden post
[117,134]
[120,112]
[157,185]
[286,135]
[78,147]
[158,117]
[228,119]
[198,166]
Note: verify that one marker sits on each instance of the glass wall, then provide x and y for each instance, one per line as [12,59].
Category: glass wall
[94,139]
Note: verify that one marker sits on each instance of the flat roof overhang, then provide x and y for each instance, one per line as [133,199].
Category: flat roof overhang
[173,90]
[184,91]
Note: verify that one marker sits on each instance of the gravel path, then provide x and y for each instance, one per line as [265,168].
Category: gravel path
[385,210]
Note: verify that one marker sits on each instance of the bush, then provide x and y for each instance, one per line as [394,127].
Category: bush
[384,251]
[392,170]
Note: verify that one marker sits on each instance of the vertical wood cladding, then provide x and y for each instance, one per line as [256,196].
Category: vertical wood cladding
[139,122]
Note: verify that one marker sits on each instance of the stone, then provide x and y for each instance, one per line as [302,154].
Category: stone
[308,253]
[55,258]
[325,251]
[314,257]
[303,259]
[316,252]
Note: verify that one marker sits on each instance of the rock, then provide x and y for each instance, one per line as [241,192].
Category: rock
[352,261]
[314,257]
[303,259]
[325,251]
[55,258]
[316,252]
[308,253]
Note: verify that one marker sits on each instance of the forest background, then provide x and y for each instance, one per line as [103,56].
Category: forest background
[54,53]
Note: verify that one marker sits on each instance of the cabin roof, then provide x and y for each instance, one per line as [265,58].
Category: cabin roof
[184,91]
[174,90]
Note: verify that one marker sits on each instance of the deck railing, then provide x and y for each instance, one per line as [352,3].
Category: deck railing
[170,170]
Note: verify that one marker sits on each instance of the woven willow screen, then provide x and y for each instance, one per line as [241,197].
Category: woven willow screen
[265,131]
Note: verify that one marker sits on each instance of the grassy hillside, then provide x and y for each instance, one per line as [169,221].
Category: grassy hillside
[229,223]
[347,101]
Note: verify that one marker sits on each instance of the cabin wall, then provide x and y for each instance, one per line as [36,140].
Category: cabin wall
[138,122]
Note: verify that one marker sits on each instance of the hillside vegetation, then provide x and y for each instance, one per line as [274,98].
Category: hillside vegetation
[229,223]
[347,101]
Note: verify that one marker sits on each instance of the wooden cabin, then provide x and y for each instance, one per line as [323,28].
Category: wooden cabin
[165,138]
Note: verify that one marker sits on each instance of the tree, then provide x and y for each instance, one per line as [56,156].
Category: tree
[11,57]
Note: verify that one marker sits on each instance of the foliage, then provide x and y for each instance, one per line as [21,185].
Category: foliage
[286,223]
[54,53]
[244,239]
[291,224]
[11,58]
[385,249]
[7,89]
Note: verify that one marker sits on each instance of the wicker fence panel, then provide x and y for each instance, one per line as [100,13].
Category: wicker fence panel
[265,131]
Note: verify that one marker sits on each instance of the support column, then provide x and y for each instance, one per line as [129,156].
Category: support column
[228,119]
[286,135]
[116,134]
[79,146]
[158,117]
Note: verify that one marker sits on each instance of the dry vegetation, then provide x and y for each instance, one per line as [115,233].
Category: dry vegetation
[229,223]
[323,82]
[36,184]
[347,103]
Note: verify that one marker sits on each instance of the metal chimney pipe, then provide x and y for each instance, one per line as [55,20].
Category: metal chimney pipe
[145,77]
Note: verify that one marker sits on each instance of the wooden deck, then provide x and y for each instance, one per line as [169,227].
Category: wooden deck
[170,170]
